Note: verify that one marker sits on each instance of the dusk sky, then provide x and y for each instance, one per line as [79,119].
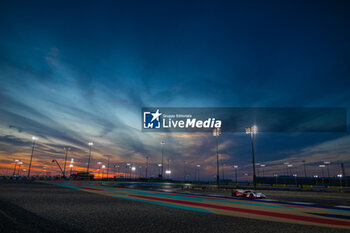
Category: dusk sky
[73,72]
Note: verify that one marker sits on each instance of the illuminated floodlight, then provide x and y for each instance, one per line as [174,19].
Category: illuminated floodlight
[216,132]
[315,176]
[275,174]
[103,166]
[198,165]
[16,160]
[251,130]
[263,165]
[34,138]
[340,175]
[99,163]
[159,165]
[322,165]
[167,172]
[286,163]
[133,168]
[295,175]
[254,129]
[128,164]
[235,166]
[290,165]
[327,163]
[91,144]
[72,160]
[71,165]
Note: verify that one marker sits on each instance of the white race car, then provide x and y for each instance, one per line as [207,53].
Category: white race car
[248,194]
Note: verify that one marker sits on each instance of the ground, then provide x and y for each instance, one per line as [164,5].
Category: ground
[36,207]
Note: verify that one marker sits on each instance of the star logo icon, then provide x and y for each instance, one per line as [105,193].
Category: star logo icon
[156,115]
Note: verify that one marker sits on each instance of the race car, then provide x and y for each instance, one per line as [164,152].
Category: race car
[247,194]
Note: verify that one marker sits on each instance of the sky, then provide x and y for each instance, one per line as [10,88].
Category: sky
[73,72]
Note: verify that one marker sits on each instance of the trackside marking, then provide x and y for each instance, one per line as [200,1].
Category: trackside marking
[249,211]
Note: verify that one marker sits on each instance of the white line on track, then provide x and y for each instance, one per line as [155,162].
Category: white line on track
[343,206]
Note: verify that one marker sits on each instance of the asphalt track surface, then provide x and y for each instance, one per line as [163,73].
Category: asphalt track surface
[38,207]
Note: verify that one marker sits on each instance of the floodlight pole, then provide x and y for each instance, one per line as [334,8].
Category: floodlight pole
[146,167]
[304,168]
[162,143]
[252,130]
[31,156]
[253,157]
[65,161]
[88,165]
[217,132]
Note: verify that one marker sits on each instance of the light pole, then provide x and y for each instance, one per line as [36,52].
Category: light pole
[216,133]
[31,157]
[184,171]
[304,168]
[263,166]
[116,166]
[127,170]
[286,163]
[252,131]
[327,165]
[168,169]
[114,171]
[198,167]
[159,170]
[290,169]
[14,169]
[133,169]
[168,172]
[99,168]
[340,177]
[223,171]
[88,165]
[316,178]
[235,167]
[295,178]
[257,169]
[322,166]
[275,175]
[108,167]
[162,143]
[103,171]
[65,160]
[146,167]
[71,167]
[20,165]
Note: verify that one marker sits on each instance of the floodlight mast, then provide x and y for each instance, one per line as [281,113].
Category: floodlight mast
[252,131]
[216,133]
[162,171]
[88,165]
[31,156]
